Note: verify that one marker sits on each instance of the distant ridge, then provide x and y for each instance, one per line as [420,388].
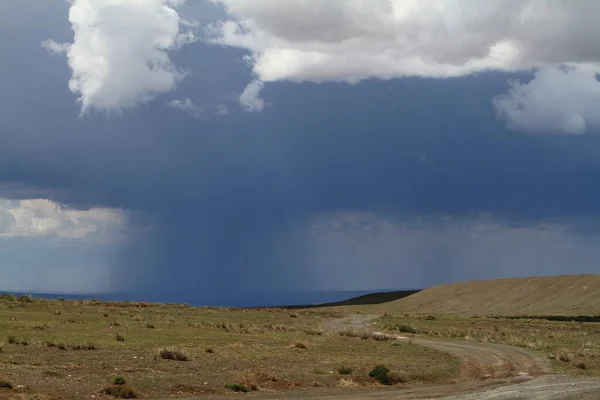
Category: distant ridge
[366,299]
[568,295]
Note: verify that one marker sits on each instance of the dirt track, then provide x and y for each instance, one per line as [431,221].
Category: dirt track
[489,372]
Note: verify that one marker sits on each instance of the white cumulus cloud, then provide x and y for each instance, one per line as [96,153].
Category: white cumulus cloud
[250,99]
[563,100]
[120,54]
[353,40]
[41,217]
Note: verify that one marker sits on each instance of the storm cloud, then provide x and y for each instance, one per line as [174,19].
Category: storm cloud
[400,181]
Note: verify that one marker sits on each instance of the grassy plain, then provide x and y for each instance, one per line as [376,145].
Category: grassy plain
[52,349]
[573,347]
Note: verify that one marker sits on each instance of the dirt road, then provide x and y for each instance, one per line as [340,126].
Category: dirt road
[489,372]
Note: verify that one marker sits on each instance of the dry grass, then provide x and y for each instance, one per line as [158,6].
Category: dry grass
[568,344]
[173,354]
[549,295]
[247,347]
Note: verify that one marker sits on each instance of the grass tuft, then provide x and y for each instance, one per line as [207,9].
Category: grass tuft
[120,391]
[344,370]
[172,354]
[564,355]
[119,380]
[299,345]
[237,387]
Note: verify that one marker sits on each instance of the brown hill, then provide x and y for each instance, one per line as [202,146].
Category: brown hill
[552,295]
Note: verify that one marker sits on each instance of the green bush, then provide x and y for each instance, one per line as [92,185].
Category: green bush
[383,375]
[119,380]
[237,387]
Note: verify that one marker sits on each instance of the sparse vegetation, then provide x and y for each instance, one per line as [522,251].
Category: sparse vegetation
[73,326]
[120,391]
[4,384]
[344,370]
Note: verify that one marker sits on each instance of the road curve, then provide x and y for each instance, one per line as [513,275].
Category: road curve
[488,372]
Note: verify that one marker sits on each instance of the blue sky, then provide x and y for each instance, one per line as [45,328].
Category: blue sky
[230,147]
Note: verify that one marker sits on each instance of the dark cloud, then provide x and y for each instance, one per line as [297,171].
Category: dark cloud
[231,202]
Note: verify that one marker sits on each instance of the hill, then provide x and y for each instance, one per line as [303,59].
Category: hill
[550,295]
[366,299]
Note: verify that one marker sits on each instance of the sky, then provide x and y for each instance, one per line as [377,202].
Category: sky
[221,149]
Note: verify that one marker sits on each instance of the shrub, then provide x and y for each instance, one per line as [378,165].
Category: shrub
[349,332]
[209,350]
[120,391]
[406,329]
[564,355]
[5,384]
[150,325]
[172,354]
[61,299]
[299,345]
[105,315]
[383,375]
[8,296]
[237,387]
[580,365]
[120,338]
[12,339]
[119,380]
[2,344]
[344,370]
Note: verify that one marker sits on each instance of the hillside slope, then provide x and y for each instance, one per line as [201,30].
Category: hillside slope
[555,295]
